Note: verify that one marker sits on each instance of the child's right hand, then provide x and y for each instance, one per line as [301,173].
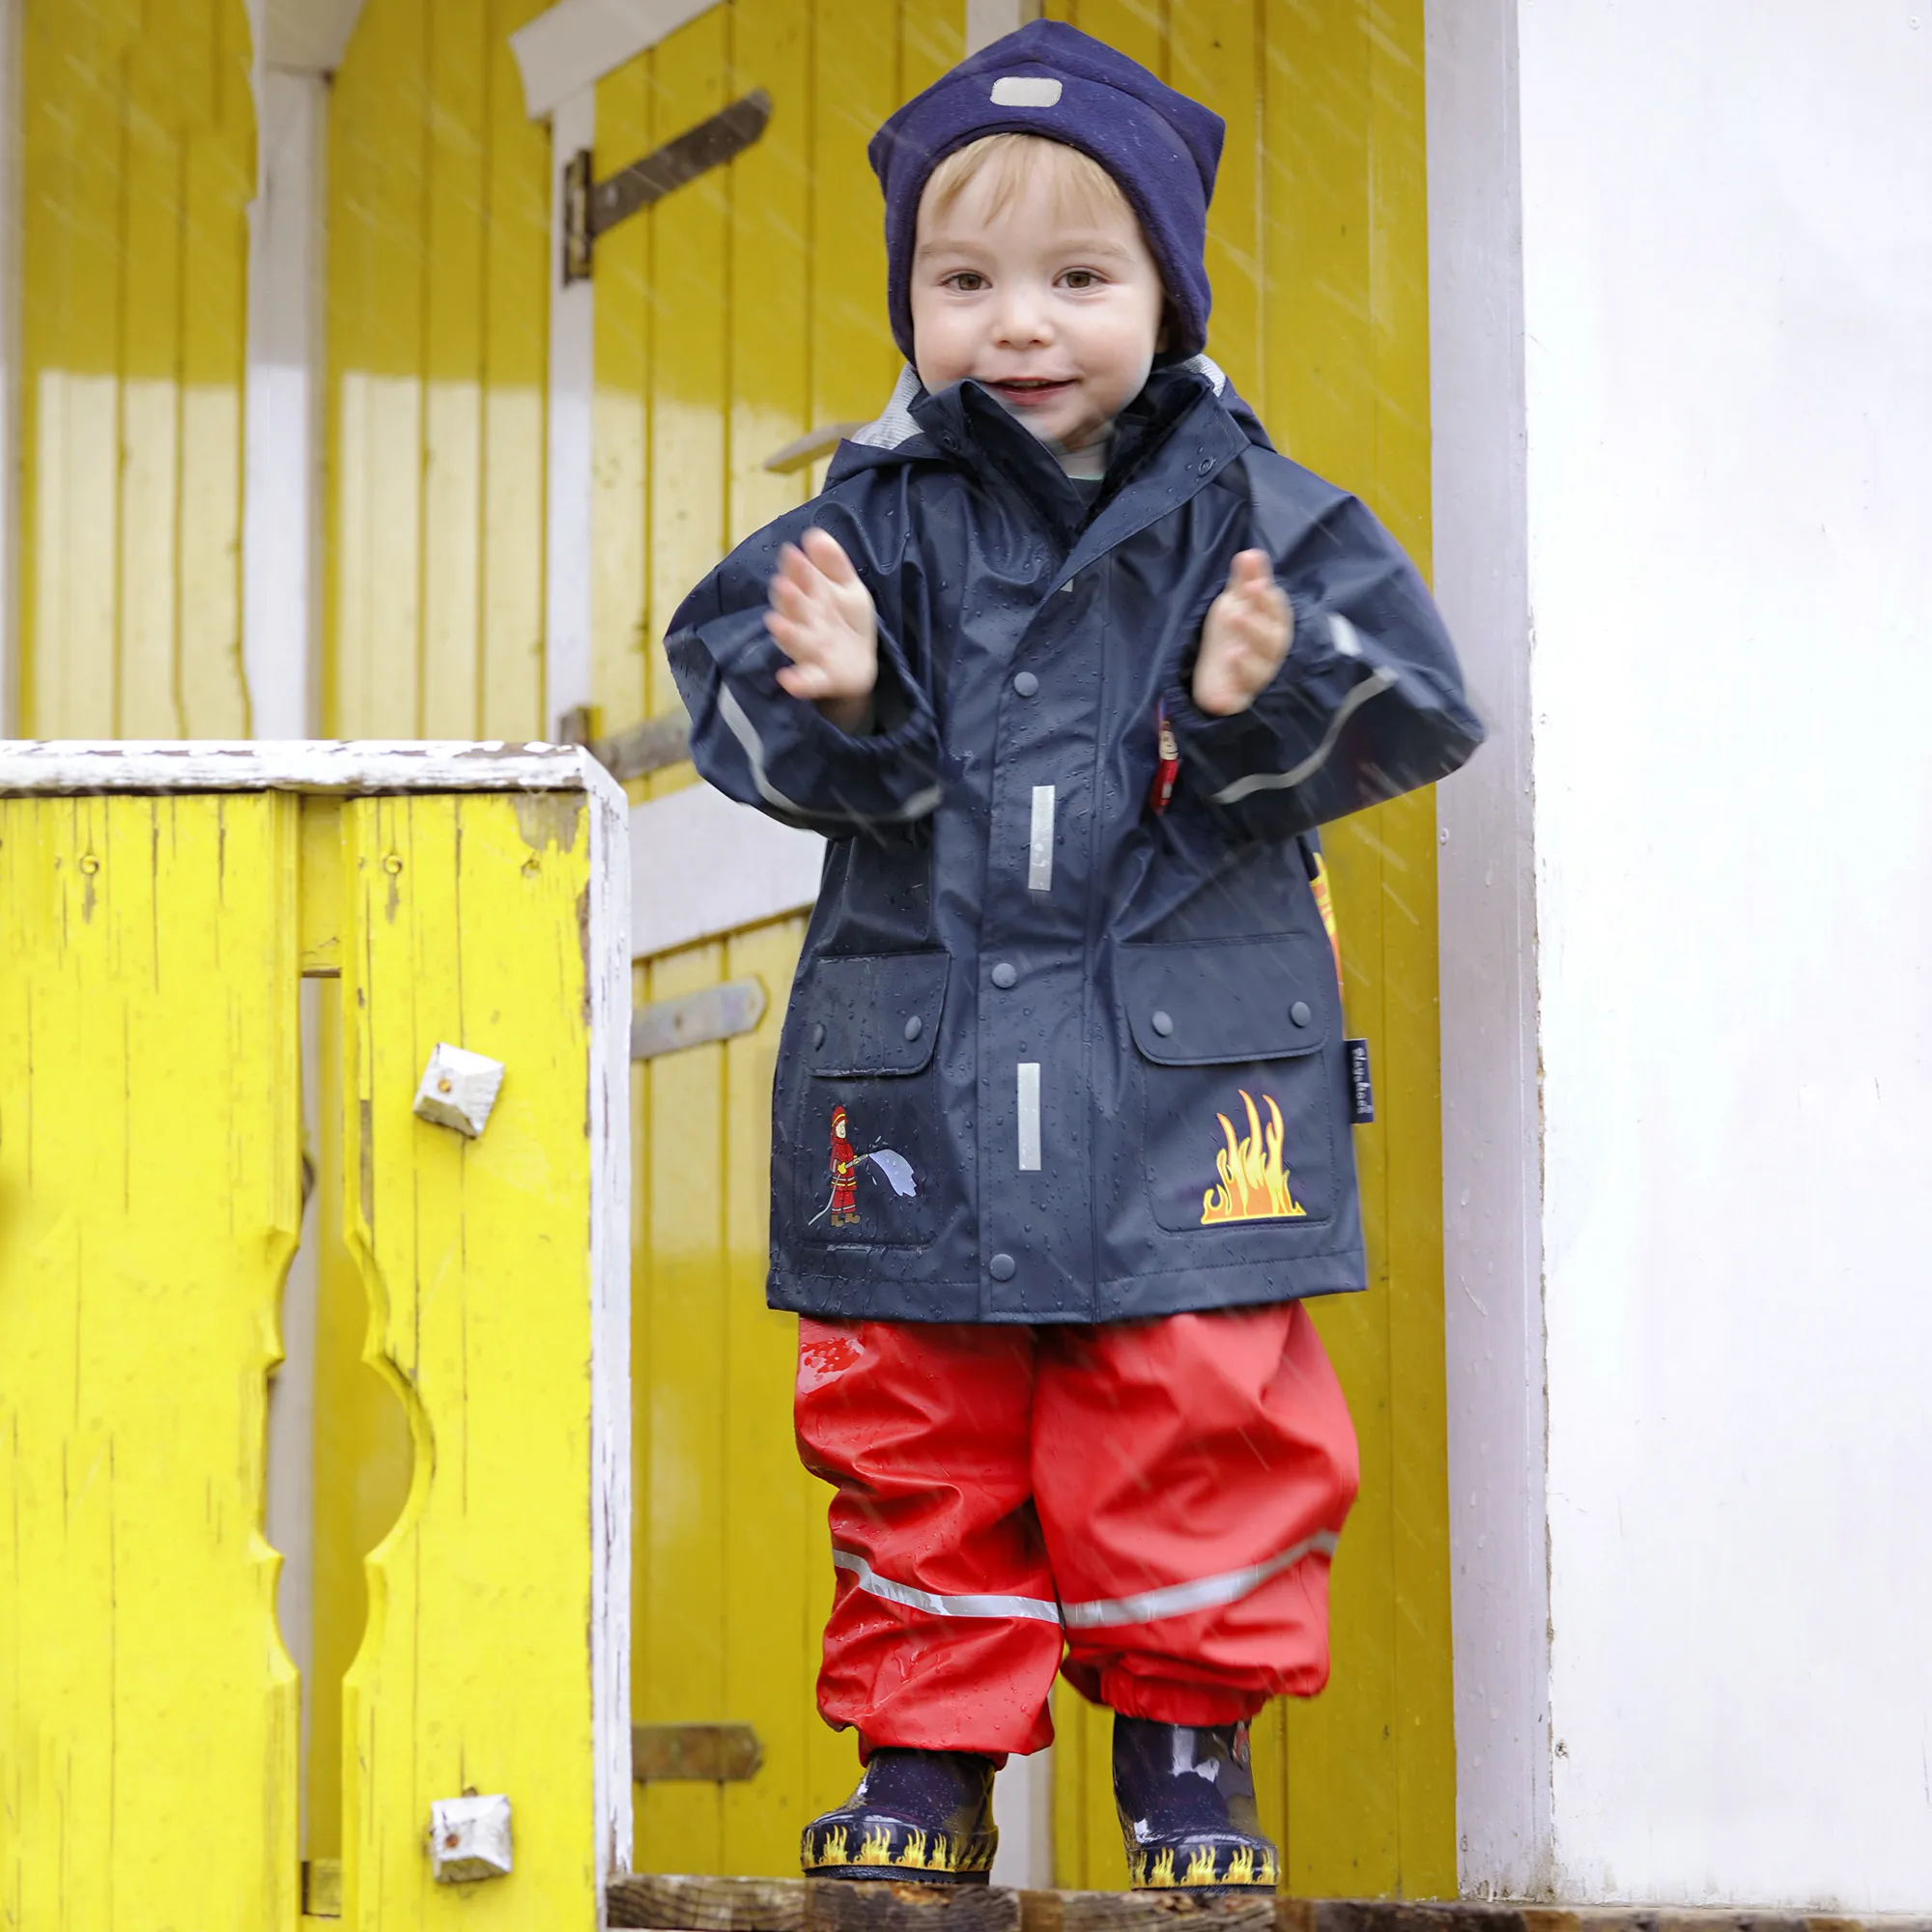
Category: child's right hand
[821,618]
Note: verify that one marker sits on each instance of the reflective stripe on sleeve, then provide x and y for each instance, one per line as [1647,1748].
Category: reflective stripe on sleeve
[1205,1592]
[1036,1610]
[739,724]
[1372,686]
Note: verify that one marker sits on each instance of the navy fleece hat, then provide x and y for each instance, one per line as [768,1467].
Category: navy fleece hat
[1053,80]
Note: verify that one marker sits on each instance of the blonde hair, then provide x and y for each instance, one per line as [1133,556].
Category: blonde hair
[1079,183]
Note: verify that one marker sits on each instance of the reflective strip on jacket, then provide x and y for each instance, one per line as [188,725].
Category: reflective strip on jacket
[1091,1054]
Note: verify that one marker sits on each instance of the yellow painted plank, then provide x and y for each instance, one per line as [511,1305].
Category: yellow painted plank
[211,694]
[771,255]
[474,1668]
[678,1316]
[378,116]
[622,641]
[515,295]
[855,86]
[71,291]
[153,225]
[454,248]
[149,1204]
[1214,56]
[1137,27]
[932,39]
[690,297]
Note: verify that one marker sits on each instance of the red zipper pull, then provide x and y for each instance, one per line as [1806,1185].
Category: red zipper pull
[1168,767]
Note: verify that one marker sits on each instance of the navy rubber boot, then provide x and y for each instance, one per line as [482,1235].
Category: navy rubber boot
[1186,1798]
[924,1814]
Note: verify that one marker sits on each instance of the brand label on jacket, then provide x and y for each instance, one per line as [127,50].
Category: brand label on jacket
[1362,1092]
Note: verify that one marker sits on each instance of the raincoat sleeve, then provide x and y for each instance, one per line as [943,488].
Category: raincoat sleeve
[761,746]
[1369,702]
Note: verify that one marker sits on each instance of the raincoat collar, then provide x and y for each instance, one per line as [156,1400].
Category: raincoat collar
[1185,427]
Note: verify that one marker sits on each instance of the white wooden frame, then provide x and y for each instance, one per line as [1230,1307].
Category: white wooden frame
[1492,1126]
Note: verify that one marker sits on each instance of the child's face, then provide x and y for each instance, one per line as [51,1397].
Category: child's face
[1056,309]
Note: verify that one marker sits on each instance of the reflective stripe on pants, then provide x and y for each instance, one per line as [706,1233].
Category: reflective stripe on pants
[1162,1497]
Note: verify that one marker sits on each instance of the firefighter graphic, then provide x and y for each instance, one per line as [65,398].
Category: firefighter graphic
[844,1175]
[844,1165]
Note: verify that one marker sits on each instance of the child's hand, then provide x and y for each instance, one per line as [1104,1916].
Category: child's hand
[821,618]
[1247,633]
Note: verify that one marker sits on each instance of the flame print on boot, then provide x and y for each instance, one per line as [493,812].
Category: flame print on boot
[923,1811]
[1186,1798]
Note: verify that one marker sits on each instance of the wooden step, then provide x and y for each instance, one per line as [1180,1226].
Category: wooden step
[686,1904]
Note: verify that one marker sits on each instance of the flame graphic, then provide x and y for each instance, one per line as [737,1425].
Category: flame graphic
[832,1848]
[1242,1866]
[914,1854]
[875,1848]
[1161,1872]
[1253,1184]
[1200,1866]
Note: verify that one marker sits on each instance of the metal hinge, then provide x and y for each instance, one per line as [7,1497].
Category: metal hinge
[695,1019]
[591,209]
[699,1753]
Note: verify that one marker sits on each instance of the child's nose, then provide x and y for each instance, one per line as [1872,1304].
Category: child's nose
[1024,318]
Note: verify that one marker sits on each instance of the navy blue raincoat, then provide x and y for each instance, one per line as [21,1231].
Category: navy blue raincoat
[1053,1055]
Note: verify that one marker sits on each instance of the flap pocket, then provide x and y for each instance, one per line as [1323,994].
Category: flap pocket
[1228,1000]
[873,1013]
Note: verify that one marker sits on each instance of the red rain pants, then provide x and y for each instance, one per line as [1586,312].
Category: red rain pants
[1161,1496]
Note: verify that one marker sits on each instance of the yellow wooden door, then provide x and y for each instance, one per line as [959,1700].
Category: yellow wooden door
[740,313]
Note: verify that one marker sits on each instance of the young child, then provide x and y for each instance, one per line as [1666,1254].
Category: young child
[1066,663]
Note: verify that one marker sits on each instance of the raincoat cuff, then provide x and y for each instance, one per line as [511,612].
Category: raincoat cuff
[1309,664]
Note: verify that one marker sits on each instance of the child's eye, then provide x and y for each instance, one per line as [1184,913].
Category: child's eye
[1080,279]
[968,281]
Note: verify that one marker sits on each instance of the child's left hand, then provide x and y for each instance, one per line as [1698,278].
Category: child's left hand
[1247,633]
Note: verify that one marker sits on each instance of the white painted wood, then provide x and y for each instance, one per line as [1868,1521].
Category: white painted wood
[282,478]
[350,767]
[571,46]
[702,864]
[990,20]
[1491,1145]
[1725,441]
[304,36]
[458,1089]
[468,1839]
[10,365]
[572,373]
[609,931]
[1023,1813]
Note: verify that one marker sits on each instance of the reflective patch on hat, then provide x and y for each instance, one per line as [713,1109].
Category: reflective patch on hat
[1012,90]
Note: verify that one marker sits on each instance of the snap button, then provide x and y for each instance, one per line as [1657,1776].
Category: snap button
[916,1025]
[1002,1267]
[1025,682]
[1005,975]
[818,1033]
[1068,585]
[1164,1024]
[1301,1013]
